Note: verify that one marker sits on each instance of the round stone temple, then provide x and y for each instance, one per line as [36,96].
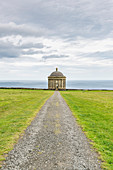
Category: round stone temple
[57,81]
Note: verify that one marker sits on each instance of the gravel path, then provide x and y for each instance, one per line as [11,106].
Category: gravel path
[53,141]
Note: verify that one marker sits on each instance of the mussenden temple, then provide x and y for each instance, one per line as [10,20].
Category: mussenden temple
[57,81]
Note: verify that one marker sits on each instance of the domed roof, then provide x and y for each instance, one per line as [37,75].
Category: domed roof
[56,74]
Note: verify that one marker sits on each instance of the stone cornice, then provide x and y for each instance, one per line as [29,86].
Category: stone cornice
[51,77]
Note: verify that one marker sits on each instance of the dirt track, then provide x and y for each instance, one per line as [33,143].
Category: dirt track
[53,141]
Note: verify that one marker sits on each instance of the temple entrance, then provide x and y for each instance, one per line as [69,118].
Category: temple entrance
[56,87]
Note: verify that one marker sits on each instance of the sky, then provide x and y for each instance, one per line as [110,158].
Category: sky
[36,36]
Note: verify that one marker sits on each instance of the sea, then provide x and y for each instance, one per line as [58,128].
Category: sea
[70,84]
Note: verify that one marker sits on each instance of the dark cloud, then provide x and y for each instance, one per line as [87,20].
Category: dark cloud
[21,29]
[9,50]
[31,52]
[32,45]
[64,18]
[54,56]
[67,21]
[101,55]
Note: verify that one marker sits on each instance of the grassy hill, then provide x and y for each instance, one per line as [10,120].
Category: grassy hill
[94,112]
[17,109]
[92,109]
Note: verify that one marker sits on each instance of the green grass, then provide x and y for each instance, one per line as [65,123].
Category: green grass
[17,109]
[94,112]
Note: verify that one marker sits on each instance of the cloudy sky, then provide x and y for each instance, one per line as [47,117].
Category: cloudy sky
[36,36]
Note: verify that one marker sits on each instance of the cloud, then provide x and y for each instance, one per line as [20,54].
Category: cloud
[54,56]
[8,50]
[8,29]
[107,55]
[16,46]
[78,33]
[31,52]
[62,18]
[32,45]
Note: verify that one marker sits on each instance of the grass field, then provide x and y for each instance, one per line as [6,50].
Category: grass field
[17,110]
[94,112]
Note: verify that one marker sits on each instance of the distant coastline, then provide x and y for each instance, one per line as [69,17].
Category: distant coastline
[70,84]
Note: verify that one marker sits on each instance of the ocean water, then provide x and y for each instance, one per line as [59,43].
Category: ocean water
[70,84]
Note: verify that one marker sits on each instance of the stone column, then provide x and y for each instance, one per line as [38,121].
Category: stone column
[65,82]
[62,83]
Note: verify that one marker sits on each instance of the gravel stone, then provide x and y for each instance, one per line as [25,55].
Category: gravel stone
[53,141]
